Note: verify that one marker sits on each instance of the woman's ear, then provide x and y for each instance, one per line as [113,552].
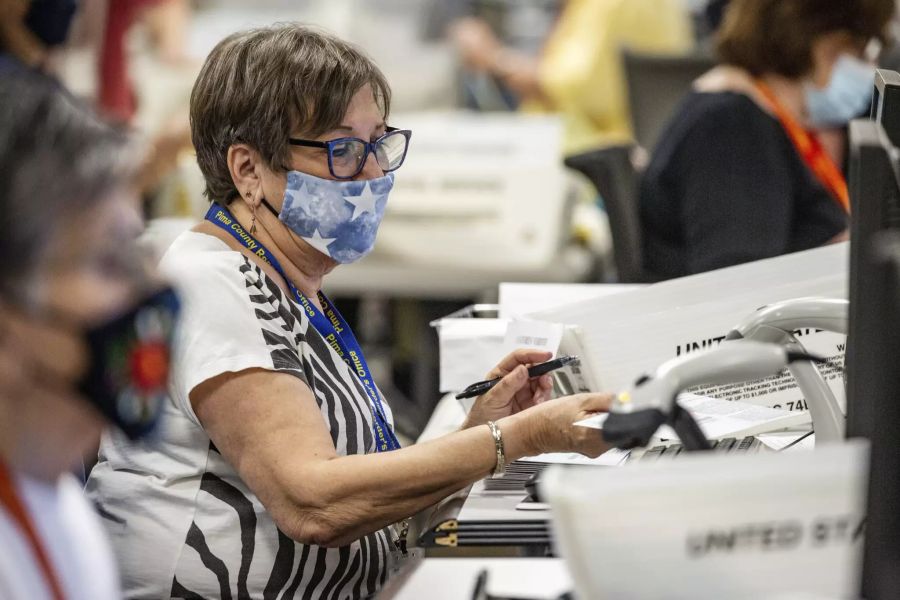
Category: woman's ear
[244,163]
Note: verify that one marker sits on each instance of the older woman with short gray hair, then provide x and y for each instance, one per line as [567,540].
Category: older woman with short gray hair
[279,475]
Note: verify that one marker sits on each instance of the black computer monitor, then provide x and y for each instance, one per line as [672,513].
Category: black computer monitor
[886,103]
[873,347]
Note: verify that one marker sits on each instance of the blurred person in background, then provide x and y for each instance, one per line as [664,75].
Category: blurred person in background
[34,32]
[279,473]
[65,266]
[578,73]
[477,27]
[715,13]
[31,29]
[741,174]
[166,23]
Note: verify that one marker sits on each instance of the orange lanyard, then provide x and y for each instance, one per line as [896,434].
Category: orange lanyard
[10,500]
[811,151]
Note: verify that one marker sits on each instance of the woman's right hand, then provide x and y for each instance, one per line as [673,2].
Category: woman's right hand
[515,392]
[550,426]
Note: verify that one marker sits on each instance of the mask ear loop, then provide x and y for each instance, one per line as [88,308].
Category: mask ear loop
[271,208]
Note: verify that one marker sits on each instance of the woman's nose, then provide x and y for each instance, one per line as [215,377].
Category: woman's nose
[371,169]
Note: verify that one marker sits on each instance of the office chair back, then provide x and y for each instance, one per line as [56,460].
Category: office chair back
[612,172]
[656,85]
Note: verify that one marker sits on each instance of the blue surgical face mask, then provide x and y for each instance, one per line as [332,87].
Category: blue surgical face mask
[340,219]
[848,95]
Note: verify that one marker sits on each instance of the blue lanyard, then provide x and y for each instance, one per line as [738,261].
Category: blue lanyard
[330,325]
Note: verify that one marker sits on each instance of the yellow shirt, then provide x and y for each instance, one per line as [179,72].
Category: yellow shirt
[581,71]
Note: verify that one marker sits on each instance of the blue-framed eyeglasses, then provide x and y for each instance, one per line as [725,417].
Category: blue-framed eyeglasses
[347,156]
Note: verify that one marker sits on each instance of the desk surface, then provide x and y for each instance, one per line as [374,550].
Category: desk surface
[482,505]
[454,579]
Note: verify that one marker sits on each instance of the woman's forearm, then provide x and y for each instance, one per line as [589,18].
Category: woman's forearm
[270,429]
[343,498]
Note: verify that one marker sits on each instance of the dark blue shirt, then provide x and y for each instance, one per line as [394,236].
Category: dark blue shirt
[726,186]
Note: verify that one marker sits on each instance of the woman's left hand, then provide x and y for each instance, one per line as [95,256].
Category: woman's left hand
[515,392]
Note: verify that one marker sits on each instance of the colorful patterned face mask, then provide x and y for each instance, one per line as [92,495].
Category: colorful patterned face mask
[338,218]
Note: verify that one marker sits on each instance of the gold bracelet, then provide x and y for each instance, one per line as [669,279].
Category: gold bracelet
[500,467]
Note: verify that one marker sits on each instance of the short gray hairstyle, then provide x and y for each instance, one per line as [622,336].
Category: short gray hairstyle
[258,86]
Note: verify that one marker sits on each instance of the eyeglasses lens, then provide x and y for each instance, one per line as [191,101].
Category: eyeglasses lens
[346,157]
[390,151]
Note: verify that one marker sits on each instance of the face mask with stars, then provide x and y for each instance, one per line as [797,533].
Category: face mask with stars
[338,218]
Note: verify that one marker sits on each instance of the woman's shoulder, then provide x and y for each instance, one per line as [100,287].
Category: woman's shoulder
[724,93]
[209,273]
[725,109]
[709,121]
[198,256]
[213,277]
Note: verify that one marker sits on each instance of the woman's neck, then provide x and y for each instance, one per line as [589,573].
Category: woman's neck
[303,265]
[727,78]
[789,93]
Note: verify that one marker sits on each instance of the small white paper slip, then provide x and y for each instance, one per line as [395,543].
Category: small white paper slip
[538,335]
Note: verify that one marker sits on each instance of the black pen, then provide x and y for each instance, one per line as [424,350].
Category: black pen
[477,389]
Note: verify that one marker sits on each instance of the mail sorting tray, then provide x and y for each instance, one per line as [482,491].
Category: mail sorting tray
[490,533]
[517,473]
[447,530]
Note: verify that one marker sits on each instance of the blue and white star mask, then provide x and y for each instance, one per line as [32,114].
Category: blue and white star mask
[338,218]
